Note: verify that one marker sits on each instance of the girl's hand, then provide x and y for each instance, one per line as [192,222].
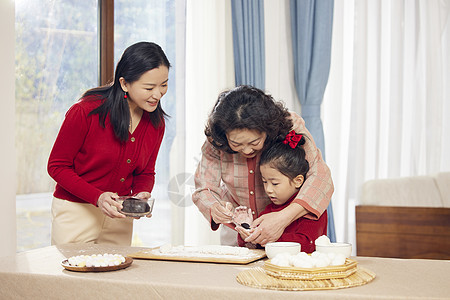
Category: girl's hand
[242,215]
[268,228]
[109,206]
[222,213]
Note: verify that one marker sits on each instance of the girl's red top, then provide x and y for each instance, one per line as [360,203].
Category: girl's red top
[304,231]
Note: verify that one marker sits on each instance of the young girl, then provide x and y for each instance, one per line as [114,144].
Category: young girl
[283,169]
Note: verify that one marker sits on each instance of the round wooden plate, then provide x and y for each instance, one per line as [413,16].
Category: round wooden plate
[67,266]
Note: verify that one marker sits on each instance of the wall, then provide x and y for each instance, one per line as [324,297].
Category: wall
[7,125]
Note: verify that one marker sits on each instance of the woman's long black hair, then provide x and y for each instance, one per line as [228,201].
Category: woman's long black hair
[246,107]
[135,61]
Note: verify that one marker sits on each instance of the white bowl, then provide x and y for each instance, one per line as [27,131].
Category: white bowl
[343,248]
[275,248]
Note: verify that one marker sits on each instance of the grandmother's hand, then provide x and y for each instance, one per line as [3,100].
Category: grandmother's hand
[244,233]
[109,206]
[222,214]
[298,124]
[268,228]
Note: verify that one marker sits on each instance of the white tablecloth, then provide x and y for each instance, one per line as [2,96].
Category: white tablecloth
[38,274]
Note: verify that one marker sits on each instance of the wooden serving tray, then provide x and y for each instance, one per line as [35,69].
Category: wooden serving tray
[330,272]
[256,254]
[128,261]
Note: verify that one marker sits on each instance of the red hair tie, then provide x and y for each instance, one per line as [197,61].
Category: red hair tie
[292,139]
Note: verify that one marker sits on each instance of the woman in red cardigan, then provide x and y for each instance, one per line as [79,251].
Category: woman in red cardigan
[283,169]
[107,147]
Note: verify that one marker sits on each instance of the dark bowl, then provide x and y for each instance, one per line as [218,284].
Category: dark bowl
[135,207]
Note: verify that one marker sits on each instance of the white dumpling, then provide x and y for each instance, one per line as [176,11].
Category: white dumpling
[321,262]
[323,240]
[281,261]
[302,255]
[315,254]
[303,263]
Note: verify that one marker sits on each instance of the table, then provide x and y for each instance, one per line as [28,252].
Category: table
[38,274]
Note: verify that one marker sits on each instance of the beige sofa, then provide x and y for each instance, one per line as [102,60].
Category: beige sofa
[405,217]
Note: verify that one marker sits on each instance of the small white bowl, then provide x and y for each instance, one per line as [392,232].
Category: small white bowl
[275,248]
[343,248]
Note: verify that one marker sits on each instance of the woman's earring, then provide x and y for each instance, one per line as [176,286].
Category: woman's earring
[125,96]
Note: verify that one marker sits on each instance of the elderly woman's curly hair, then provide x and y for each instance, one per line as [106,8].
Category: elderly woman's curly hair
[246,107]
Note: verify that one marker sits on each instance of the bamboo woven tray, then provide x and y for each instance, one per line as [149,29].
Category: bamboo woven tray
[329,272]
[258,278]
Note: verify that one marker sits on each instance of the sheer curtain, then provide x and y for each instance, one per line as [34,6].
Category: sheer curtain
[387,104]
[278,48]
[209,71]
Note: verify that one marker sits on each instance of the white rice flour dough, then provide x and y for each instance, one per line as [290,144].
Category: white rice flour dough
[203,251]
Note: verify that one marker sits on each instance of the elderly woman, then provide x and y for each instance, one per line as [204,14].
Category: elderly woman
[245,121]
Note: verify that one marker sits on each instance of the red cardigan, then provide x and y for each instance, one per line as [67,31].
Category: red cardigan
[87,159]
[304,231]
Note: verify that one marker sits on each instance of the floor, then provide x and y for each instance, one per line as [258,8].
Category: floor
[34,223]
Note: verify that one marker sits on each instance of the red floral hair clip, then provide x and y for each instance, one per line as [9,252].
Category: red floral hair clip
[292,139]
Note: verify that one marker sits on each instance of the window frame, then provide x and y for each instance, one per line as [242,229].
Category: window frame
[106,41]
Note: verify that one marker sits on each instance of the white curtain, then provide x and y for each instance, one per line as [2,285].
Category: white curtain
[386,110]
[279,61]
[209,71]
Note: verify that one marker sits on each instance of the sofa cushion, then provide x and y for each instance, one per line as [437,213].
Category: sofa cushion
[443,183]
[419,191]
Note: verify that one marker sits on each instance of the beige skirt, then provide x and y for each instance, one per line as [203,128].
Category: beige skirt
[85,223]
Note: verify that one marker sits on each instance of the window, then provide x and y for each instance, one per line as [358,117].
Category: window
[57,59]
